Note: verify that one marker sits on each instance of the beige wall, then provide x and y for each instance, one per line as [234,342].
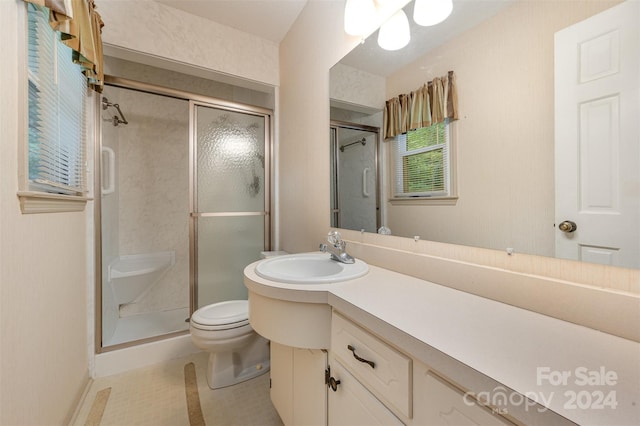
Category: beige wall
[43,279]
[505,134]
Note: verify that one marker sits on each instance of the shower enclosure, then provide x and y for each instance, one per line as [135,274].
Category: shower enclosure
[184,184]
[355,192]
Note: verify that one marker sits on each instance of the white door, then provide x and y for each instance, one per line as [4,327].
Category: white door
[597,128]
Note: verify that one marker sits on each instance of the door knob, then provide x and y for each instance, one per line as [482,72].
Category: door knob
[333,383]
[567,226]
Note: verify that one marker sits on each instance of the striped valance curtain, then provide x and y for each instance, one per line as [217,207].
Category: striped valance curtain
[429,104]
[80,27]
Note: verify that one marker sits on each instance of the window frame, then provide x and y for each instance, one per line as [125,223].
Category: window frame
[449,198]
[31,199]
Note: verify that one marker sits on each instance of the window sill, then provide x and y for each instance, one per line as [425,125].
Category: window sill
[424,201]
[42,202]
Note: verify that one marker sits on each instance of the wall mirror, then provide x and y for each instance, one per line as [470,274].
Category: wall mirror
[511,174]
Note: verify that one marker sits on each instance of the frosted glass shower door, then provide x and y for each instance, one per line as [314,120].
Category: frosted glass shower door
[230,203]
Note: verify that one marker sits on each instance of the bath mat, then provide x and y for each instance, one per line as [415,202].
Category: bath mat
[193,398]
[97,408]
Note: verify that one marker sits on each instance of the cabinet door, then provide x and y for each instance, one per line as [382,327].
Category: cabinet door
[298,391]
[282,381]
[309,390]
[353,405]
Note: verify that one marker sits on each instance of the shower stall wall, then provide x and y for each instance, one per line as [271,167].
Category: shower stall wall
[184,207]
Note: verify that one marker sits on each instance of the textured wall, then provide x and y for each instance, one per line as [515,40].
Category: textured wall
[152,28]
[357,87]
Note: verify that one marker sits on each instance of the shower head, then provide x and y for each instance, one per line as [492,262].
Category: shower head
[116,120]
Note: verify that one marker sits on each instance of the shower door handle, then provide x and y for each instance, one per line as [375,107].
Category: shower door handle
[365,173]
[110,167]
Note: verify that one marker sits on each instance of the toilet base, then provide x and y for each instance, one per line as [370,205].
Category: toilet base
[222,372]
[226,368]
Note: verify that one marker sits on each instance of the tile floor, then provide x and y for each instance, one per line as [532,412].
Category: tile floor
[156,396]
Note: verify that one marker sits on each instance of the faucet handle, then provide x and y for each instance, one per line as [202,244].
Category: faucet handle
[334,238]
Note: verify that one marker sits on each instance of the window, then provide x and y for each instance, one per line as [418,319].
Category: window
[56,111]
[422,162]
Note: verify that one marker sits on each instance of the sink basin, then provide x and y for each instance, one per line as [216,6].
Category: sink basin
[309,268]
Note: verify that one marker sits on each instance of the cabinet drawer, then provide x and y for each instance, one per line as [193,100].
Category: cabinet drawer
[389,378]
[439,402]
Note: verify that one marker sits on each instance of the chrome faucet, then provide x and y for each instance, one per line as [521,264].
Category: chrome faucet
[336,248]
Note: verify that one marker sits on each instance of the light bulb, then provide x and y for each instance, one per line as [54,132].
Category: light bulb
[395,34]
[359,16]
[431,12]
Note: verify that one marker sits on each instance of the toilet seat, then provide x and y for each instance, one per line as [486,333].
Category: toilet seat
[222,315]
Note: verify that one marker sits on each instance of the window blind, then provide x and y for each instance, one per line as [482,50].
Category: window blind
[57,99]
[421,159]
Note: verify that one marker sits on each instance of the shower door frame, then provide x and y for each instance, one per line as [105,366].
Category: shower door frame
[193,99]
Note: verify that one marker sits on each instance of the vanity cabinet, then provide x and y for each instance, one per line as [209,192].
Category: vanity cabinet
[408,351]
[364,380]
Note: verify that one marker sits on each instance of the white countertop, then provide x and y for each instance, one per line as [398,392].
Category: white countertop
[520,349]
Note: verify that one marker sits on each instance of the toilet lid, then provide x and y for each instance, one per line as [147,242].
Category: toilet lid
[223,313]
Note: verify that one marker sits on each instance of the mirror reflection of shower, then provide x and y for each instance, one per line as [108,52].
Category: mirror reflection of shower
[116,120]
[355,190]
[363,141]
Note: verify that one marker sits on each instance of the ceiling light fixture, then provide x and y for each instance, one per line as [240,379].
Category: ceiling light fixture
[362,16]
[431,12]
[358,16]
[395,33]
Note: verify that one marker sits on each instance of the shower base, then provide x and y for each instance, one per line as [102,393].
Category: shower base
[135,327]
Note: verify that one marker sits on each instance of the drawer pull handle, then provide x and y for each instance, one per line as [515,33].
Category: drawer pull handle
[366,361]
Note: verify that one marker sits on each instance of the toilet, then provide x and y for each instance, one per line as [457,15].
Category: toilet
[236,352]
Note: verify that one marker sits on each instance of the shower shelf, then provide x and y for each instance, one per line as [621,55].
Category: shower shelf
[132,276]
